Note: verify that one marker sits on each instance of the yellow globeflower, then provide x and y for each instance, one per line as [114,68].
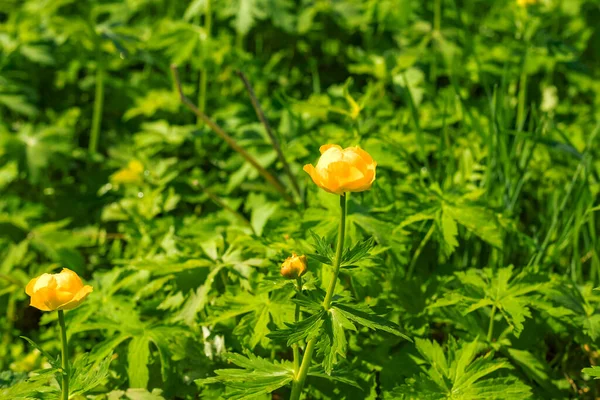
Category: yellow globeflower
[294,267]
[132,173]
[63,291]
[343,170]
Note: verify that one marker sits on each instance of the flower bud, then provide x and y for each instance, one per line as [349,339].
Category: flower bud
[343,170]
[293,267]
[63,291]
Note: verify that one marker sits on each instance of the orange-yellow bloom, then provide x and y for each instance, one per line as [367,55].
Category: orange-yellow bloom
[343,170]
[63,291]
[294,267]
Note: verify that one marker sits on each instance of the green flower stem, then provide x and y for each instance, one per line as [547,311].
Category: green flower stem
[338,253]
[296,319]
[522,94]
[64,355]
[491,326]
[300,378]
[98,104]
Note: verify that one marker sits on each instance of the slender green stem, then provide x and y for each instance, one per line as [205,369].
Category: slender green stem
[437,15]
[491,326]
[203,72]
[64,355]
[437,24]
[98,104]
[413,262]
[522,95]
[296,319]
[338,253]
[300,378]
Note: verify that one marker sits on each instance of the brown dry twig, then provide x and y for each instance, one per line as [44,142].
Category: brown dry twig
[276,145]
[230,141]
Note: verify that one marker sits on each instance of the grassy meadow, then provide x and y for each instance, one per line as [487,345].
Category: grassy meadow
[299,199]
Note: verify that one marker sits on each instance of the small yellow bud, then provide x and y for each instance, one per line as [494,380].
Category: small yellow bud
[293,267]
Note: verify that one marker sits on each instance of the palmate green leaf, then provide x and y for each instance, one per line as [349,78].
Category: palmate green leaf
[256,377]
[136,394]
[535,368]
[261,210]
[332,343]
[359,251]
[573,307]
[138,355]
[139,348]
[261,308]
[254,327]
[512,294]
[336,376]
[198,299]
[324,253]
[87,374]
[305,329]
[35,385]
[459,375]
[127,324]
[594,372]
[363,315]
[478,220]
[164,265]
[449,231]
[497,389]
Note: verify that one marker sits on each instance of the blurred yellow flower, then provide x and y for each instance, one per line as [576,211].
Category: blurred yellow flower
[294,266]
[525,3]
[132,173]
[63,291]
[343,170]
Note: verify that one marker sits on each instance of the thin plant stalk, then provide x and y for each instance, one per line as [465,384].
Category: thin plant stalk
[539,256]
[491,325]
[230,141]
[300,377]
[98,105]
[64,355]
[295,348]
[417,253]
[522,93]
[437,24]
[203,71]
[276,145]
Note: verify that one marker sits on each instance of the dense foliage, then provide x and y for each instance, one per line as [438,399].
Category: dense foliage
[469,267]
